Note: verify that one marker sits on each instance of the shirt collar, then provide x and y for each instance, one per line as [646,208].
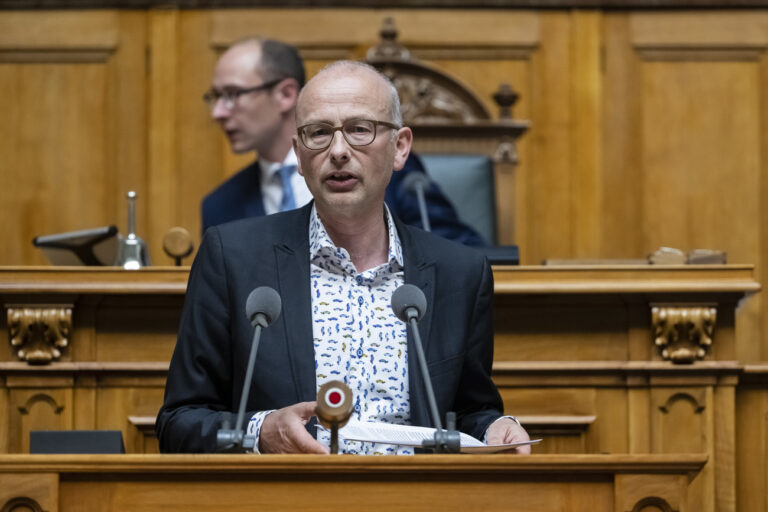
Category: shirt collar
[269,169]
[320,242]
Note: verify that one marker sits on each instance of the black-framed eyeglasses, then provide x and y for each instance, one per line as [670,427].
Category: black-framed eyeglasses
[232,94]
[357,132]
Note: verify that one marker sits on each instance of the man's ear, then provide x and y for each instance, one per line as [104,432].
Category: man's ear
[402,147]
[286,93]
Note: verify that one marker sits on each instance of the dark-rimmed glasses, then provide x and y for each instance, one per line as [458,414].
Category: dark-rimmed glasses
[357,132]
[231,95]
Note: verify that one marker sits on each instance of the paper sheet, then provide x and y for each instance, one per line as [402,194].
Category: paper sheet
[407,435]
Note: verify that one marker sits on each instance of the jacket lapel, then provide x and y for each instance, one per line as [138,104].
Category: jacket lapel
[419,271]
[293,275]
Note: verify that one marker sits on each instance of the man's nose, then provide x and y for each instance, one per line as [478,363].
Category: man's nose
[339,148]
[219,109]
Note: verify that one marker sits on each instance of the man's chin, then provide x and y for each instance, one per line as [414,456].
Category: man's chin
[347,203]
[239,149]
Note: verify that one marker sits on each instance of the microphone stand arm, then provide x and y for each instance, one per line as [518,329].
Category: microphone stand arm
[234,440]
[422,206]
[444,441]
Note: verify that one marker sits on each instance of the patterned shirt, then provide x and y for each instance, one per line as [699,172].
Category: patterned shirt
[356,336]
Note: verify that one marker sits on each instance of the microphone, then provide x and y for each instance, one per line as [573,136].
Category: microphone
[262,308]
[408,302]
[417,182]
[334,407]
[409,305]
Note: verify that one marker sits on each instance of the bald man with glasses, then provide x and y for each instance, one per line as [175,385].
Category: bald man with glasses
[253,98]
[336,263]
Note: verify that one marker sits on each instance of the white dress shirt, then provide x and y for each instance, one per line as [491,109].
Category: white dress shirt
[272,184]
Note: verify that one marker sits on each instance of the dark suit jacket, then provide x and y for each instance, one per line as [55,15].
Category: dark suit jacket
[240,197]
[209,363]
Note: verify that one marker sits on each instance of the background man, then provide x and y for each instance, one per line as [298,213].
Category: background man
[253,98]
[336,263]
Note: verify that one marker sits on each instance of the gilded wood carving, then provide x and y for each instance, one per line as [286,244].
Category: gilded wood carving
[683,334]
[434,102]
[39,333]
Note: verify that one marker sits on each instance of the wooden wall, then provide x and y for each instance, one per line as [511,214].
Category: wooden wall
[648,127]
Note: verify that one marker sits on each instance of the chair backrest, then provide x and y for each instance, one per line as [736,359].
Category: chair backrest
[464,147]
[468,182]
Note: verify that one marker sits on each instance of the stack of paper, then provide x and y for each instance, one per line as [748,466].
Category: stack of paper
[407,435]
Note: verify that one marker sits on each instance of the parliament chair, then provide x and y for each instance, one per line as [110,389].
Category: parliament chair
[463,148]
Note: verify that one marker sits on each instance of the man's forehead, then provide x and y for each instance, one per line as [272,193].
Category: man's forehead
[240,61]
[344,95]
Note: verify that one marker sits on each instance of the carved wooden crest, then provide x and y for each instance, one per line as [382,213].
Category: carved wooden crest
[437,104]
[683,334]
[39,333]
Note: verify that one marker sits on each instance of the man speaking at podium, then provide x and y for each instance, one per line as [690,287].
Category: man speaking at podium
[335,262]
[253,98]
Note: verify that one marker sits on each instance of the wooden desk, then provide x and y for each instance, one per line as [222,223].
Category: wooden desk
[444,483]
[576,357]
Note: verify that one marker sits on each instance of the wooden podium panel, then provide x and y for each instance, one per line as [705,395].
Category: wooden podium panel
[577,358]
[445,483]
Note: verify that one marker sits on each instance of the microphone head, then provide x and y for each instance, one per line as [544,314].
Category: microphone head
[409,301]
[415,181]
[263,306]
[334,404]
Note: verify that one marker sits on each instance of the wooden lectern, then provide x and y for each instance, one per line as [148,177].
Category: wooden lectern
[445,483]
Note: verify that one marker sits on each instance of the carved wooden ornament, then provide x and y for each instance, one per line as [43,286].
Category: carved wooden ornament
[39,333]
[683,333]
[22,504]
[652,503]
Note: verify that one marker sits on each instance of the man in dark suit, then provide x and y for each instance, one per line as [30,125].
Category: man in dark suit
[335,262]
[253,98]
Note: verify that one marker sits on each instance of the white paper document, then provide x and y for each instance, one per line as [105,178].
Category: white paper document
[407,435]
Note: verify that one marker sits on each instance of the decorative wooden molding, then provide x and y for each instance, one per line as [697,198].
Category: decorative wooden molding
[435,103]
[699,404]
[427,95]
[39,333]
[621,374]
[652,503]
[683,333]
[41,397]
[556,425]
[737,280]
[626,279]
[56,56]
[380,4]
[144,424]
[21,504]
[701,54]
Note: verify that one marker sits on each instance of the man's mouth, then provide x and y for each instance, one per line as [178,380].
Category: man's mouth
[341,181]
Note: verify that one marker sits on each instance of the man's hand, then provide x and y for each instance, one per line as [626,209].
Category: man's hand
[283,431]
[505,430]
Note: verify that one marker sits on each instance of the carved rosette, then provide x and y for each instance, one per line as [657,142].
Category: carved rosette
[683,333]
[39,333]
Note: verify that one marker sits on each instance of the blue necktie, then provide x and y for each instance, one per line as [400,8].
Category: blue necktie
[288,202]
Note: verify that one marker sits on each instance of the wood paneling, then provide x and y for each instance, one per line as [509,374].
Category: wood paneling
[647,126]
[569,483]
[72,130]
[752,439]
[564,361]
